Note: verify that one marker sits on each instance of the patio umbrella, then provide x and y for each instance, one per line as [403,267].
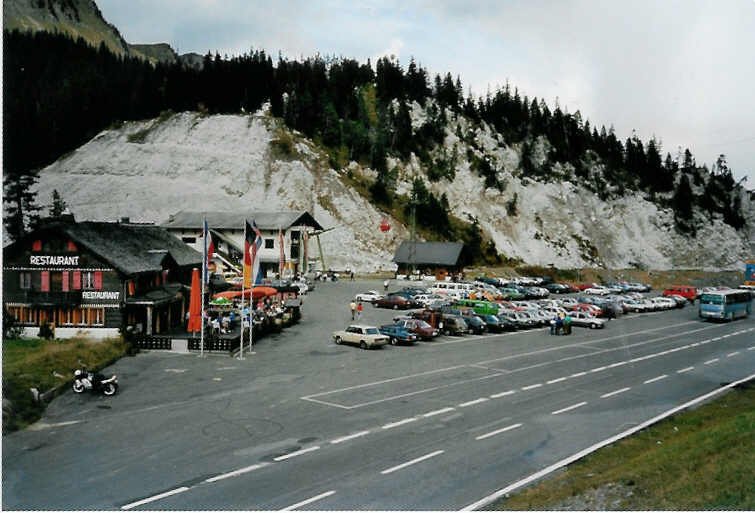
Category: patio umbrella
[256,292]
[195,304]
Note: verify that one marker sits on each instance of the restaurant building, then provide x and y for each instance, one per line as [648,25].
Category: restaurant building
[286,230]
[96,278]
[439,259]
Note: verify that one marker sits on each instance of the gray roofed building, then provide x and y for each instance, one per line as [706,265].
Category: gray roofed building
[235,220]
[132,248]
[431,254]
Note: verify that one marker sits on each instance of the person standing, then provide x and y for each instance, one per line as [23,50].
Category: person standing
[359,310]
[353,308]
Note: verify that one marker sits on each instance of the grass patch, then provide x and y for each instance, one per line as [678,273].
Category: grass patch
[34,363]
[696,460]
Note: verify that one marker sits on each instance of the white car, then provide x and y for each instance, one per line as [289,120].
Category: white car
[598,291]
[361,335]
[586,320]
[370,296]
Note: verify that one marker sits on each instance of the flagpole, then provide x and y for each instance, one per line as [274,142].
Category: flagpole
[243,279]
[204,279]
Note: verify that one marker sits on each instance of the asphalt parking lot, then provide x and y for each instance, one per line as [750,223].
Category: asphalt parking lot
[304,422]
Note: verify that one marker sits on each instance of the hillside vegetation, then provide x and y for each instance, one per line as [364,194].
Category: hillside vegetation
[466,168]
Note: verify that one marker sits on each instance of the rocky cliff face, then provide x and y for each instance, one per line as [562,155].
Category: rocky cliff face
[77,18]
[148,170]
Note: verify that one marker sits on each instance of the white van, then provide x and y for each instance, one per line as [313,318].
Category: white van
[453,289]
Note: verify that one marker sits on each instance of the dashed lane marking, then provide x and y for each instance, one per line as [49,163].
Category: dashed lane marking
[296,453]
[557,380]
[399,423]
[497,431]
[686,369]
[502,394]
[412,462]
[155,497]
[439,412]
[657,378]
[349,437]
[735,353]
[530,387]
[569,408]
[236,472]
[615,392]
[309,501]
[714,360]
[476,401]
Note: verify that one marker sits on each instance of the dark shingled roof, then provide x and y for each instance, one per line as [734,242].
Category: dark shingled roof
[429,253]
[131,248]
[235,220]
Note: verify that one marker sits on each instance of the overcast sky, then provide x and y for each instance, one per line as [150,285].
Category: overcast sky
[682,70]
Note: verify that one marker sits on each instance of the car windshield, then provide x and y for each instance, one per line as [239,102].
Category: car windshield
[423,324]
[713,299]
[372,331]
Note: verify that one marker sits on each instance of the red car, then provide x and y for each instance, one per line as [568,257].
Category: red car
[420,328]
[396,302]
[586,307]
[690,293]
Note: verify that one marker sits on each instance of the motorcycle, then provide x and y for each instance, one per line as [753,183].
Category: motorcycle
[94,382]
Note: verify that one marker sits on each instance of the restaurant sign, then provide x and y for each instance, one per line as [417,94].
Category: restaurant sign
[54,260]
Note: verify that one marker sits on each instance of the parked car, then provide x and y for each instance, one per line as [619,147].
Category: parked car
[586,320]
[686,291]
[397,333]
[369,297]
[420,328]
[585,307]
[681,301]
[362,335]
[396,302]
[475,324]
[495,324]
[454,325]
[557,288]
[598,291]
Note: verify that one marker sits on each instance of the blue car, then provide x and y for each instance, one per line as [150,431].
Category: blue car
[398,334]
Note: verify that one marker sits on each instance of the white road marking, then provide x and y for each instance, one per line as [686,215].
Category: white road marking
[349,437]
[439,412]
[617,364]
[399,423]
[309,501]
[155,497]
[497,431]
[297,453]
[502,394]
[568,408]
[598,369]
[530,387]
[662,376]
[485,501]
[686,369]
[236,472]
[476,401]
[732,354]
[751,348]
[38,426]
[557,380]
[578,374]
[695,344]
[412,462]
[711,361]
[615,392]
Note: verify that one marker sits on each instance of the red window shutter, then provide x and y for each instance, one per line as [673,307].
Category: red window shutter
[45,284]
[65,281]
[77,280]
[72,246]
[36,245]
[131,288]
[97,280]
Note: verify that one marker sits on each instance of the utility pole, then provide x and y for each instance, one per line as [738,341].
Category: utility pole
[412,233]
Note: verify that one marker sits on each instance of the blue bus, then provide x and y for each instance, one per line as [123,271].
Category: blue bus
[725,304]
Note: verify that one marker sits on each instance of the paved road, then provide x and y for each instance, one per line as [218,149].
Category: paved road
[305,424]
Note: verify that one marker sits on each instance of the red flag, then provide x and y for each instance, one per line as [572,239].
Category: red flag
[282,262]
[252,244]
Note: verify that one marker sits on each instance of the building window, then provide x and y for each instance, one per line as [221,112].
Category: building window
[36,245]
[269,243]
[87,280]
[24,281]
[95,316]
[189,240]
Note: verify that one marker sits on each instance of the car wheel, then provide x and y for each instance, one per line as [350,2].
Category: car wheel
[393,341]
[395,307]
[593,326]
[338,340]
[362,345]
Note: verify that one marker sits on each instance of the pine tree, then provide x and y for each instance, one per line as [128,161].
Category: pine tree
[21,212]
[58,204]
